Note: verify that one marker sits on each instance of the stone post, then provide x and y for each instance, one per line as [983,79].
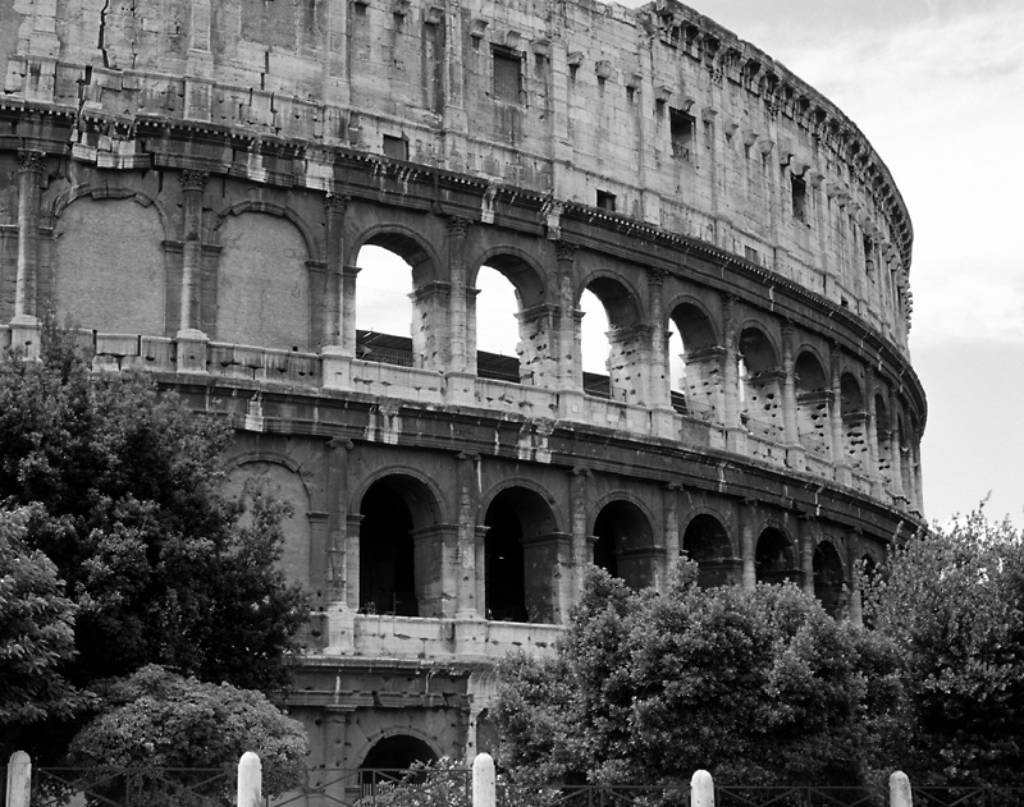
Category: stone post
[702,790]
[466,606]
[19,780]
[794,451]
[461,369]
[30,171]
[568,342]
[250,781]
[748,543]
[582,552]
[484,790]
[900,792]
[334,220]
[192,185]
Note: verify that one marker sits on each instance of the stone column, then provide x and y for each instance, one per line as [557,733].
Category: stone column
[467,606]
[352,561]
[871,435]
[794,451]
[30,171]
[735,435]
[836,416]
[461,361]
[671,510]
[191,339]
[807,530]
[567,345]
[334,220]
[337,452]
[582,550]
[746,513]
[431,334]
[659,379]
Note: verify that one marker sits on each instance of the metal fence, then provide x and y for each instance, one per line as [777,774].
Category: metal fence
[133,787]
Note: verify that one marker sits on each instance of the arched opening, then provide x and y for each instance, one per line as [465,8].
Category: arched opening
[851,403]
[883,430]
[707,543]
[398,548]
[812,405]
[400,317]
[695,365]
[396,753]
[760,387]
[773,557]
[514,331]
[624,544]
[523,555]
[625,343]
[594,345]
[828,578]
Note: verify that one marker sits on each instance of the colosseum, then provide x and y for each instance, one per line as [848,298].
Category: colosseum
[195,184]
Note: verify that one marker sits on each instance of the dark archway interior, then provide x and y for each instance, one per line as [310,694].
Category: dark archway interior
[505,580]
[621,530]
[386,555]
[773,559]
[397,753]
[828,577]
[706,542]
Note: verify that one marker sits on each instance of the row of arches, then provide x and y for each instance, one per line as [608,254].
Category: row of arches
[521,552]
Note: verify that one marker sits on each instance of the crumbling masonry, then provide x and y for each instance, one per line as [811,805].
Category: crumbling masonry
[191,181]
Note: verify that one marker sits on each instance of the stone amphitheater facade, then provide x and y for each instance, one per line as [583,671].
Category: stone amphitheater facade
[191,183]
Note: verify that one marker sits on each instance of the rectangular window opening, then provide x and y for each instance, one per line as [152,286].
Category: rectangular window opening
[508,75]
[799,198]
[869,256]
[606,201]
[682,126]
[397,148]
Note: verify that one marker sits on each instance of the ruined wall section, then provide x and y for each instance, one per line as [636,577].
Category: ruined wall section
[658,114]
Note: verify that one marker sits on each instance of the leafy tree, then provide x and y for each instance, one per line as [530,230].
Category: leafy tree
[36,632]
[754,685]
[125,487]
[953,602]
[158,719]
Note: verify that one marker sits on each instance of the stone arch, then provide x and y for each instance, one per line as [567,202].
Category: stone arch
[435,503]
[75,192]
[425,342]
[706,542]
[537,361]
[774,556]
[405,242]
[400,548]
[110,266]
[698,372]
[829,577]
[398,749]
[628,339]
[813,401]
[625,544]
[264,289]
[313,248]
[760,383]
[280,477]
[524,553]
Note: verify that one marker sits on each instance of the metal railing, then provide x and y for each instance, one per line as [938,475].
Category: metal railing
[133,787]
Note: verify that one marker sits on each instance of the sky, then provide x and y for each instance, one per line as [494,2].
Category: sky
[937,86]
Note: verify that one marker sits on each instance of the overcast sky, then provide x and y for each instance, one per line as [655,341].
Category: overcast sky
[937,86]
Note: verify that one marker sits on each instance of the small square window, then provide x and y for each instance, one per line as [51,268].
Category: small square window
[508,76]
[799,188]
[682,126]
[606,201]
[396,147]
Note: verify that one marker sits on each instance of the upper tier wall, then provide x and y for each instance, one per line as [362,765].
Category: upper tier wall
[659,114]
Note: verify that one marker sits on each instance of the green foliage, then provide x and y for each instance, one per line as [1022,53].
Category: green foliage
[953,601]
[755,686]
[157,719]
[124,485]
[36,631]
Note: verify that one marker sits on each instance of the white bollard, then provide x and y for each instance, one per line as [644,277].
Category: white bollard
[702,790]
[19,780]
[484,790]
[900,792]
[250,781]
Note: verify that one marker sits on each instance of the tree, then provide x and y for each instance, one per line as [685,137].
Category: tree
[953,602]
[125,487]
[36,632]
[156,719]
[754,685]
